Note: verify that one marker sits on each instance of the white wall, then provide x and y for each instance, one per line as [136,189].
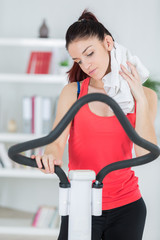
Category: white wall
[133,23]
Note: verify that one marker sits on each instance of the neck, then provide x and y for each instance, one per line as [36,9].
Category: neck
[96,83]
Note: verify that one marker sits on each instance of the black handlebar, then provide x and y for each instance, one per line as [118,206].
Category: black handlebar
[14,151]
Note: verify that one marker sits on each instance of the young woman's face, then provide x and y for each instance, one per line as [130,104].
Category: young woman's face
[92,55]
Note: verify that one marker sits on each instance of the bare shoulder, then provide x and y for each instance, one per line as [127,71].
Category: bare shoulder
[150,95]
[70,86]
[67,98]
[69,92]
[152,100]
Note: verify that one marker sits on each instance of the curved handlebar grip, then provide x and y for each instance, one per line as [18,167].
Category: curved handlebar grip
[14,151]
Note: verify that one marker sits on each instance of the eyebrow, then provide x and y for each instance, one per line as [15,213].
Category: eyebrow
[83,51]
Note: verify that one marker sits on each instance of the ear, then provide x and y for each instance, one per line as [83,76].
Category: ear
[108,42]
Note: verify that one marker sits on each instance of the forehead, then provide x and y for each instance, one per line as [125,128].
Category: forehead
[78,46]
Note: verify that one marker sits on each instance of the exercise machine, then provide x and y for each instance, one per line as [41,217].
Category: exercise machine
[78,196]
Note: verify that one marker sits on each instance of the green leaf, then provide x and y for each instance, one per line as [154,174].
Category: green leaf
[64,63]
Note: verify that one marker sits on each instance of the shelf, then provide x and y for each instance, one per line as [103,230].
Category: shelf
[18,222]
[25,173]
[29,231]
[36,42]
[18,137]
[33,78]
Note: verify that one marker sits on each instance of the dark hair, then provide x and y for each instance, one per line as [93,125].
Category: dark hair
[86,26]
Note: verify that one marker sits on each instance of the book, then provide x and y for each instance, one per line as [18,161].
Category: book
[33,109]
[45,217]
[46,115]
[39,62]
[27,114]
[32,63]
[41,115]
[36,217]
[37,115]
[54,222]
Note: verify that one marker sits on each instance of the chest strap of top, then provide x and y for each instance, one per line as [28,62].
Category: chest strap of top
[78,89]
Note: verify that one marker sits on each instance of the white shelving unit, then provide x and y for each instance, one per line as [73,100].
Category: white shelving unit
[29,231]
[34,42]
[23,173]
[32,78]
[12,177]
[17,137]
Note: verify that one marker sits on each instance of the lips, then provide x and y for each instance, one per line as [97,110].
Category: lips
[92,71]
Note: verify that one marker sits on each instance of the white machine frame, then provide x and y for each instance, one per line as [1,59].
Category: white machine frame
[80,202]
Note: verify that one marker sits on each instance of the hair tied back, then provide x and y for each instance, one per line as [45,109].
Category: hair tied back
[82,20]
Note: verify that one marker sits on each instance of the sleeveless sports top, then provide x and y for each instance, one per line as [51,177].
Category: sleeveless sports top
[97,141]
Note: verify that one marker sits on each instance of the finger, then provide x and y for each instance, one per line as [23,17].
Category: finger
[38,160]
[42,170]
[127,72]
[45,163]
[133,70]
[58,162]
[126,77]
[51,163]
[32,156]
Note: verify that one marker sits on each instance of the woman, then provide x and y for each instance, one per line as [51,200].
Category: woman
[96,137]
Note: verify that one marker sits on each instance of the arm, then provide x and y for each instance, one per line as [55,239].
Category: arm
[146,100]
[54,151]
[145,117]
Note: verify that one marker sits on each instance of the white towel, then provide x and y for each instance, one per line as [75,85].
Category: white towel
[115,85]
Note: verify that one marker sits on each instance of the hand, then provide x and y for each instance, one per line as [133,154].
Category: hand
[48,161]
[133,80]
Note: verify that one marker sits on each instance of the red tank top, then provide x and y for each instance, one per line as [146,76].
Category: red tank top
[97,141]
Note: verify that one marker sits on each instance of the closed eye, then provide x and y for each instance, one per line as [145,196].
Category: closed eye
[87,56]
[90,54]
